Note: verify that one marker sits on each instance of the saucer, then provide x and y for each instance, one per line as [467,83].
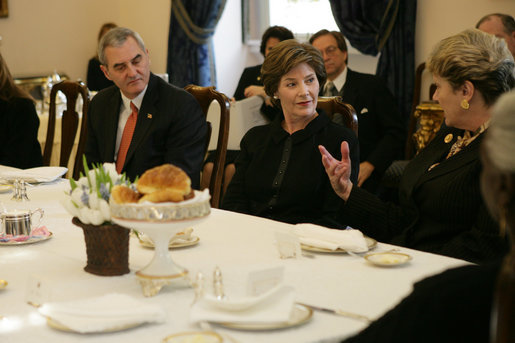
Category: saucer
[193,337]
[300,314]
[31,240]
[5,188]
[388,259]
[179,243]
[371,243]
[58,326]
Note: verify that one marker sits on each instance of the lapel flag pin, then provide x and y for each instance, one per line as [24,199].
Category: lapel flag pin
[149,116]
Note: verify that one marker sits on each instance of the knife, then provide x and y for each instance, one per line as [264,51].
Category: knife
[339,312]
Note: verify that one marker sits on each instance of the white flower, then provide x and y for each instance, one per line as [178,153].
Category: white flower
[110,169]
[93,201]
[104,209]
[87,202]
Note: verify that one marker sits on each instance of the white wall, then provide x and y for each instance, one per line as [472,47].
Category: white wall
[41,36]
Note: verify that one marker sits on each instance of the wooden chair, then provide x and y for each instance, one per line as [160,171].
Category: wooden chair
[205,96]
[335,106]
[69,124]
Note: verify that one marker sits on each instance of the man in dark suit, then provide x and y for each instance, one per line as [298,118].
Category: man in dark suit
[143,121]
[381,130]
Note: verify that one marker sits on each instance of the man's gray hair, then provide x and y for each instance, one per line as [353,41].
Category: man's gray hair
[115,38]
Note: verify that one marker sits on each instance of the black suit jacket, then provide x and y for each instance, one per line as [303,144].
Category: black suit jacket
[19,124]
[381,129]
[441,210]
[454,306]
[281,176]
[171,128]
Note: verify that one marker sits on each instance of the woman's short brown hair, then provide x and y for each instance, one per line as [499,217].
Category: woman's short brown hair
[284,57]
[478,57]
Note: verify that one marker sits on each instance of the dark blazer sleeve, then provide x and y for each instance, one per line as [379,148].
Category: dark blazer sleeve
[453,306]
[381,127]
[249,77]
[19,146]
[440,211]
[186,139]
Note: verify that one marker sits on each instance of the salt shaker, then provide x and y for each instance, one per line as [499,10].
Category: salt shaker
[218,285]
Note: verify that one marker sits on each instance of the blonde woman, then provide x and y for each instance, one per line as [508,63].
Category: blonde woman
[441,209]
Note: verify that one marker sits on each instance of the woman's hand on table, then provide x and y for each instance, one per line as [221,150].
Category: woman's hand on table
[338,171]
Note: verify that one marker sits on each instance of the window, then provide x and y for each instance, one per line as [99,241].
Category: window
[303,17]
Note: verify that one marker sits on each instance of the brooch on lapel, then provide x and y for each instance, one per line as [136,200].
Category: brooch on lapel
[149,116]
[448,138]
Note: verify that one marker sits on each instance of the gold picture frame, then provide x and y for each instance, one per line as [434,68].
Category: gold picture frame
[4,12]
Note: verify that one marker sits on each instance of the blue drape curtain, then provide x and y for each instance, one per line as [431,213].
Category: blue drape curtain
[386,27]
[190,49]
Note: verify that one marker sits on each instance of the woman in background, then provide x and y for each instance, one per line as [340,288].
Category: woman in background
[96,80]
[440,205]
[471,303]
[279,174]
[250,84]
[19,124]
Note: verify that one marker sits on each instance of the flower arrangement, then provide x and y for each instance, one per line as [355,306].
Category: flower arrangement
[88,198]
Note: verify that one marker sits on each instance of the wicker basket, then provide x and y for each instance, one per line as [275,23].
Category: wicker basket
[107,248]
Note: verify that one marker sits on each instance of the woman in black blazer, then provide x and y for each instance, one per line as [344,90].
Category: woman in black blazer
[279,174]
[441,209]
[470,303]
[250,84]
[19,124]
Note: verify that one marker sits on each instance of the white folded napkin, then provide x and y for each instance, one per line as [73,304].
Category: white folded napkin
[105,313]
[39,174]
[274,308]
[322,237]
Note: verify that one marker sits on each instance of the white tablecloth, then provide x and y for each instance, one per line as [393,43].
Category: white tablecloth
[232,241]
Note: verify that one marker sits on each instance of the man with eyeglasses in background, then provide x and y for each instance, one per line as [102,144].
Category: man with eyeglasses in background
[381,129]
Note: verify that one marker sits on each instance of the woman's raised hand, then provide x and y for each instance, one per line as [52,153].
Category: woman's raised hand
[338,171]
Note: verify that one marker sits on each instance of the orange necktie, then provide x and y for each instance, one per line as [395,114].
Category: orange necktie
[128,131]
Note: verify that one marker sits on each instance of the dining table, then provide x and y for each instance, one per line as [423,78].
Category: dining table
[52,270]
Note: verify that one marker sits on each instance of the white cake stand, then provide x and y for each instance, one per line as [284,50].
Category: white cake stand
[161,222]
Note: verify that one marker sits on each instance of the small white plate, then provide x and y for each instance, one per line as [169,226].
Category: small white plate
[58,326]
[299,315]
[388,259]
[240,304]
[5,188]
[180,243]
[194,337]
[371,243]
[29,241]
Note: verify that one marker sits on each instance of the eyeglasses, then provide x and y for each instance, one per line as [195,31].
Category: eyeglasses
[330,50]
